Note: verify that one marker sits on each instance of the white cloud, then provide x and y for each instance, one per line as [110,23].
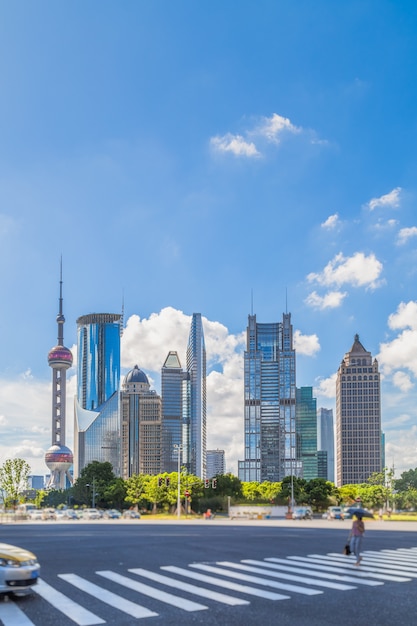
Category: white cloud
[273,127]
[358,270]
[306,344]
[235,144]
[331,223]
[330,300]
[405,316]
[326,387]
[391,199]
[405,234]
[402,381]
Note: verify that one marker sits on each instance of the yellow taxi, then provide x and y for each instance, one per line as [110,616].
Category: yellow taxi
[19,569]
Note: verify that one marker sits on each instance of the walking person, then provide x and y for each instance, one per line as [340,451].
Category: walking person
[356,535]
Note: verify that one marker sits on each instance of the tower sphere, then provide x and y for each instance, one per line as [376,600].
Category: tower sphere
[58,458]
[60,357]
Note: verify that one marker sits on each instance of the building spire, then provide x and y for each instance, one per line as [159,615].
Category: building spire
[60,317]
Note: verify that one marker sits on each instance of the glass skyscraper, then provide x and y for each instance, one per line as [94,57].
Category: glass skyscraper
[306,427]
[97,415]
[325,440]
[269,402]
[175,411]
[194,440]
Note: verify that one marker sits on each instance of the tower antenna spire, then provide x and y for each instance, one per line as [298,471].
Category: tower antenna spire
[251,301]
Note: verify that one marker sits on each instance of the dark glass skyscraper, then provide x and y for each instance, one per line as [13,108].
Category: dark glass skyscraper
[269,388]
[306,427]
[194,441]
[175,410]
[97,416]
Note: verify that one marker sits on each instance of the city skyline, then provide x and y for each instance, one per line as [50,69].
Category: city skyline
[258,160]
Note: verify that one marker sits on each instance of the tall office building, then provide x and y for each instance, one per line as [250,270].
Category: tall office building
[306,429]
[215,463]
[325,440]
[59,457]
[141,449]
[175,392]
[194,440]
[269,402]
[97,433]
[358,416]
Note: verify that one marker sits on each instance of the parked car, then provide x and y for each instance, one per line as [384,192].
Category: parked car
[70,514]
[19,570]
[112,514]
[91,514]
[335,512]
[36,514]
[130,514]
[302,512]
[48,513]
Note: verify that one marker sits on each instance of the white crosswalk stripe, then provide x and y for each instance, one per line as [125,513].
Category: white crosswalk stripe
[332,572]
[131,608]
[60,601]
[255,579]
[153,592]
[283,565]
[226,584]
[179,584]
[288,576]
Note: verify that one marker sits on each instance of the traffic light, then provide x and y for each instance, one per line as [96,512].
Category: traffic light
[167,481]
[206,483]
[160,480]
[214,483]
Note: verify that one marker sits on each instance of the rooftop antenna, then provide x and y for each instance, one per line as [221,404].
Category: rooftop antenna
[251,301]
[286,300]
[122,318]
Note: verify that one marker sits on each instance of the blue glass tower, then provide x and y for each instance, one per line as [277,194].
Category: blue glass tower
[306,427]
[269,402]
[97,416]
[194,443]
[174,392]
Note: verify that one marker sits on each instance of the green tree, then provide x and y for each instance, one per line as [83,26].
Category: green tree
[318,492]
[136,489]
[91,485]
[408,480]
[228,485]
[14,475]
[115,493]
[299,489]
[251,491]
[270,492]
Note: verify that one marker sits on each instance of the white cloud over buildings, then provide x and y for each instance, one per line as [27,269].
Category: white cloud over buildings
[358,270]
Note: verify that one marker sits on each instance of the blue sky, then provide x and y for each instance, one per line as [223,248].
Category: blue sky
[184,155]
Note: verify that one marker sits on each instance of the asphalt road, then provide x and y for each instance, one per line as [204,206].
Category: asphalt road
[85,560]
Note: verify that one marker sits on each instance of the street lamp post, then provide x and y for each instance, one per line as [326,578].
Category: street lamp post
[178,448]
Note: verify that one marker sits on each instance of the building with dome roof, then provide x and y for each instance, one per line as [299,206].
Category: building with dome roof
[141,426]
[358,417]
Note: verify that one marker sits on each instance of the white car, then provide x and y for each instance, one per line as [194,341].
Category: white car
[19,570]
[91,514]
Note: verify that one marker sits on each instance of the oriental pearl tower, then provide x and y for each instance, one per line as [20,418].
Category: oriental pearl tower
[58,457]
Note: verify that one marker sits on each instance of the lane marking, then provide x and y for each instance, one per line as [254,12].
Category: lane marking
[108,597]
[179,584]
[255,579]
[226,584]
[73,610]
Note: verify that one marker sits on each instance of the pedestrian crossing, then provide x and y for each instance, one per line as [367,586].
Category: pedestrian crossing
[195,587]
